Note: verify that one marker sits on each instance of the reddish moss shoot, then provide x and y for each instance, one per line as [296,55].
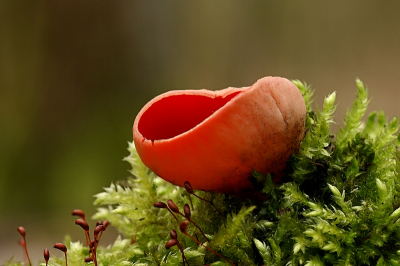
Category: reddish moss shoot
[82,223]
[189,189]
[98,231]
[22,232]
[187,215]
[63,248]
[105,225]
[79,213]
[46,255]
[162,205]
[183,228]
[174,241]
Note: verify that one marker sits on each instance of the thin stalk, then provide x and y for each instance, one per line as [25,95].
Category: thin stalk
[209,249]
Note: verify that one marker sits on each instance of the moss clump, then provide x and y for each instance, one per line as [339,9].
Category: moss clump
[339,204]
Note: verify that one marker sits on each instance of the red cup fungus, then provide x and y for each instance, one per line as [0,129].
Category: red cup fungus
[214,139]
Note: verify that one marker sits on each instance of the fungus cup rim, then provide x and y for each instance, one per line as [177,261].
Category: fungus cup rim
[203,92]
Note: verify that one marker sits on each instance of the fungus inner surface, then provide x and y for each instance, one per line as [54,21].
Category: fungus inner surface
[174,115]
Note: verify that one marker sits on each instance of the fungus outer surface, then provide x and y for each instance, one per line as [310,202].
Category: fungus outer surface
[215,139]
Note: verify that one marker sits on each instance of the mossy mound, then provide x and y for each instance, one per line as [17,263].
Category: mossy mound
[338,205]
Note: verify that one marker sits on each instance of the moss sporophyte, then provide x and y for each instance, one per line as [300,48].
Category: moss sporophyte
[334,200]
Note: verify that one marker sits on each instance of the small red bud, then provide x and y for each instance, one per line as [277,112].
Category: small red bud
[106,223]
[61,247]
[173,234]
[161,205]
[170,243]
[98,229]
[79,213]
[172,206]
[22,231]
[22,242]
[82,223]
[188,187]
[46,255]
[183,226]
[186,210]
[88,259]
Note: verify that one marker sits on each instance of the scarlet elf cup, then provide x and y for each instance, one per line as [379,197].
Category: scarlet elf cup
[214,139]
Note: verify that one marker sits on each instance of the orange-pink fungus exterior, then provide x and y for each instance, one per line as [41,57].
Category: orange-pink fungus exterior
[214,139]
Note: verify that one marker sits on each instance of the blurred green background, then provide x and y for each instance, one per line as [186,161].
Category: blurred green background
[74,74]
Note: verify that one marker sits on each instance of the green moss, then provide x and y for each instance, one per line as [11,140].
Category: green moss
[339,204]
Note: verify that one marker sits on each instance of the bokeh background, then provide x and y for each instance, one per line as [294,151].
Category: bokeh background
[74,74]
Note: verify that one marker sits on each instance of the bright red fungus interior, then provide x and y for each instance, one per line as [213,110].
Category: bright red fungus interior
[174,115]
